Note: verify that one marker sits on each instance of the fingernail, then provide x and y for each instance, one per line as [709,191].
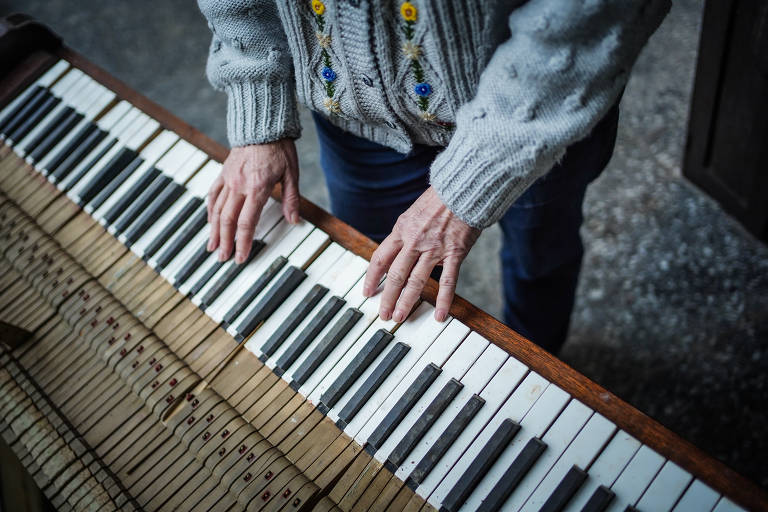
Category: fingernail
[294,218]
[367,292]
[222,256]
[210,246]
[440,315]
[398,316]
[385,315]
[239,258]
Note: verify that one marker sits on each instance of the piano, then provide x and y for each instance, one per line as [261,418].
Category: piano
[157,378]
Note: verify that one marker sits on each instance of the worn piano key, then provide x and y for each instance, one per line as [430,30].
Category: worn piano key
[193,208]
[599,500]
[256,288]
[230,274]
[188,231]
[112,169]
[666,488]
[565,490]
[146,196]
[39,105]
[635,478]
[293,319]
[513,475]
[698,496]
[484,459]
[10,110]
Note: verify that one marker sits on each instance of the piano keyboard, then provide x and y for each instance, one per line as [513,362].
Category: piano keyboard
[267,385]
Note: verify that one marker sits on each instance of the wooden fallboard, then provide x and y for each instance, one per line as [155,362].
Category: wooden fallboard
[626,417]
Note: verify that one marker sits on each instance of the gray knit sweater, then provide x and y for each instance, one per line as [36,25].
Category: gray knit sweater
[505,86]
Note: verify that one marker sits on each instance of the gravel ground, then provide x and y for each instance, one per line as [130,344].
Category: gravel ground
[672,307]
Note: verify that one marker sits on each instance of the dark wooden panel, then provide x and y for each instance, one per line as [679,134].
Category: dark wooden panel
[728,130]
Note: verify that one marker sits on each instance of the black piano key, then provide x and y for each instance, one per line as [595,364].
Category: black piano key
[75,178]
[195,289]
[253,291]
[126,217]
[403,406]
[293,319]
[480,465]
[275,296]
[191,265]
[372,383]
[118,162]
[599,500]
[363,359]
[55,136]
[229,275]
[154,211]
[29,95]
[34,118]
[513,475]
[77,148]
[129,197]
[113,185]
[446,439]
[309,333]
[18,117]
[423,424]
[187,211]
[326,345]
[50,126]
[630,508]
[564,490]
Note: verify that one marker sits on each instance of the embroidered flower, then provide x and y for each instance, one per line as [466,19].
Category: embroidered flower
[428,116]
[423,89]
[408,11]
[411,50]
[318,7]
[329,74]
[332,105]
[324,40]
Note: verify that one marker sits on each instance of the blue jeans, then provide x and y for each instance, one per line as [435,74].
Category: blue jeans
[371,185]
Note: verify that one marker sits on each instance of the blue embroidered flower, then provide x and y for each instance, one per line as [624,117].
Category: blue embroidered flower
[329,74]
[423,89]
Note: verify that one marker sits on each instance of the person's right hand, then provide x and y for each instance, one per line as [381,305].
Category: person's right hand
[238,195]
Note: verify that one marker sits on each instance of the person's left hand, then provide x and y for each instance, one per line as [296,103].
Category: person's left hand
[425,235]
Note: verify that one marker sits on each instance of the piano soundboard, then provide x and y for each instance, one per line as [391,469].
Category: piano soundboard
[158,378]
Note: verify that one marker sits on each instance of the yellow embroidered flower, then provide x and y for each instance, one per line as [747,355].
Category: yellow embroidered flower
[408,11]
[324,40]
[411,50]
[332,105]
[318,7]
[428,116]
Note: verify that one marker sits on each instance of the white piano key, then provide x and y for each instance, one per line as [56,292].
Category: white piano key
[322,264]
[280,241]
[699,497]
[609,464]
[191,166]
[436,353]
[558,437]
[515,408]
[633,481]
[418,331]
[476,378]
[339,279]
[534,424]
[726,505]
[109,121]
[665,489]
[46,79]
[199,184]
[176,157]
[270,216]
[142,135]
[498,389]
[150,154]
[581,452]
[455,367]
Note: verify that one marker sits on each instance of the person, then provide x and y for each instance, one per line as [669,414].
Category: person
[435,121]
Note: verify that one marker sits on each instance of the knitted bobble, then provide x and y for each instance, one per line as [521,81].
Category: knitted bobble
[562,60]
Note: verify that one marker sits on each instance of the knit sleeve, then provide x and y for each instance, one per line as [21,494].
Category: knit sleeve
[250,61]
[563,66]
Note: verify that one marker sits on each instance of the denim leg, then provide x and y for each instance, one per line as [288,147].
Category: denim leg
[542,250]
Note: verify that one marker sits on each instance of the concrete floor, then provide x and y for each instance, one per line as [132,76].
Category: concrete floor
[672,308]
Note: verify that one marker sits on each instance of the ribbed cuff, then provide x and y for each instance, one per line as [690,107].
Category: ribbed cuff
[478,190]
[261,112]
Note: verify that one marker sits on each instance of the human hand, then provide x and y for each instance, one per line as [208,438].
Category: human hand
[236,198]
[425,235]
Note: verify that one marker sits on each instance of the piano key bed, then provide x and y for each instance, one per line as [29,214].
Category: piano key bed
[158,378]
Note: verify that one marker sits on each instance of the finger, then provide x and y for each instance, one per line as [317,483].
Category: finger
[397,275]
[381,259]
[213,237]
[247,222]
[413,287]
[213,195]
[291,197]
[228,224]
[448,280]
